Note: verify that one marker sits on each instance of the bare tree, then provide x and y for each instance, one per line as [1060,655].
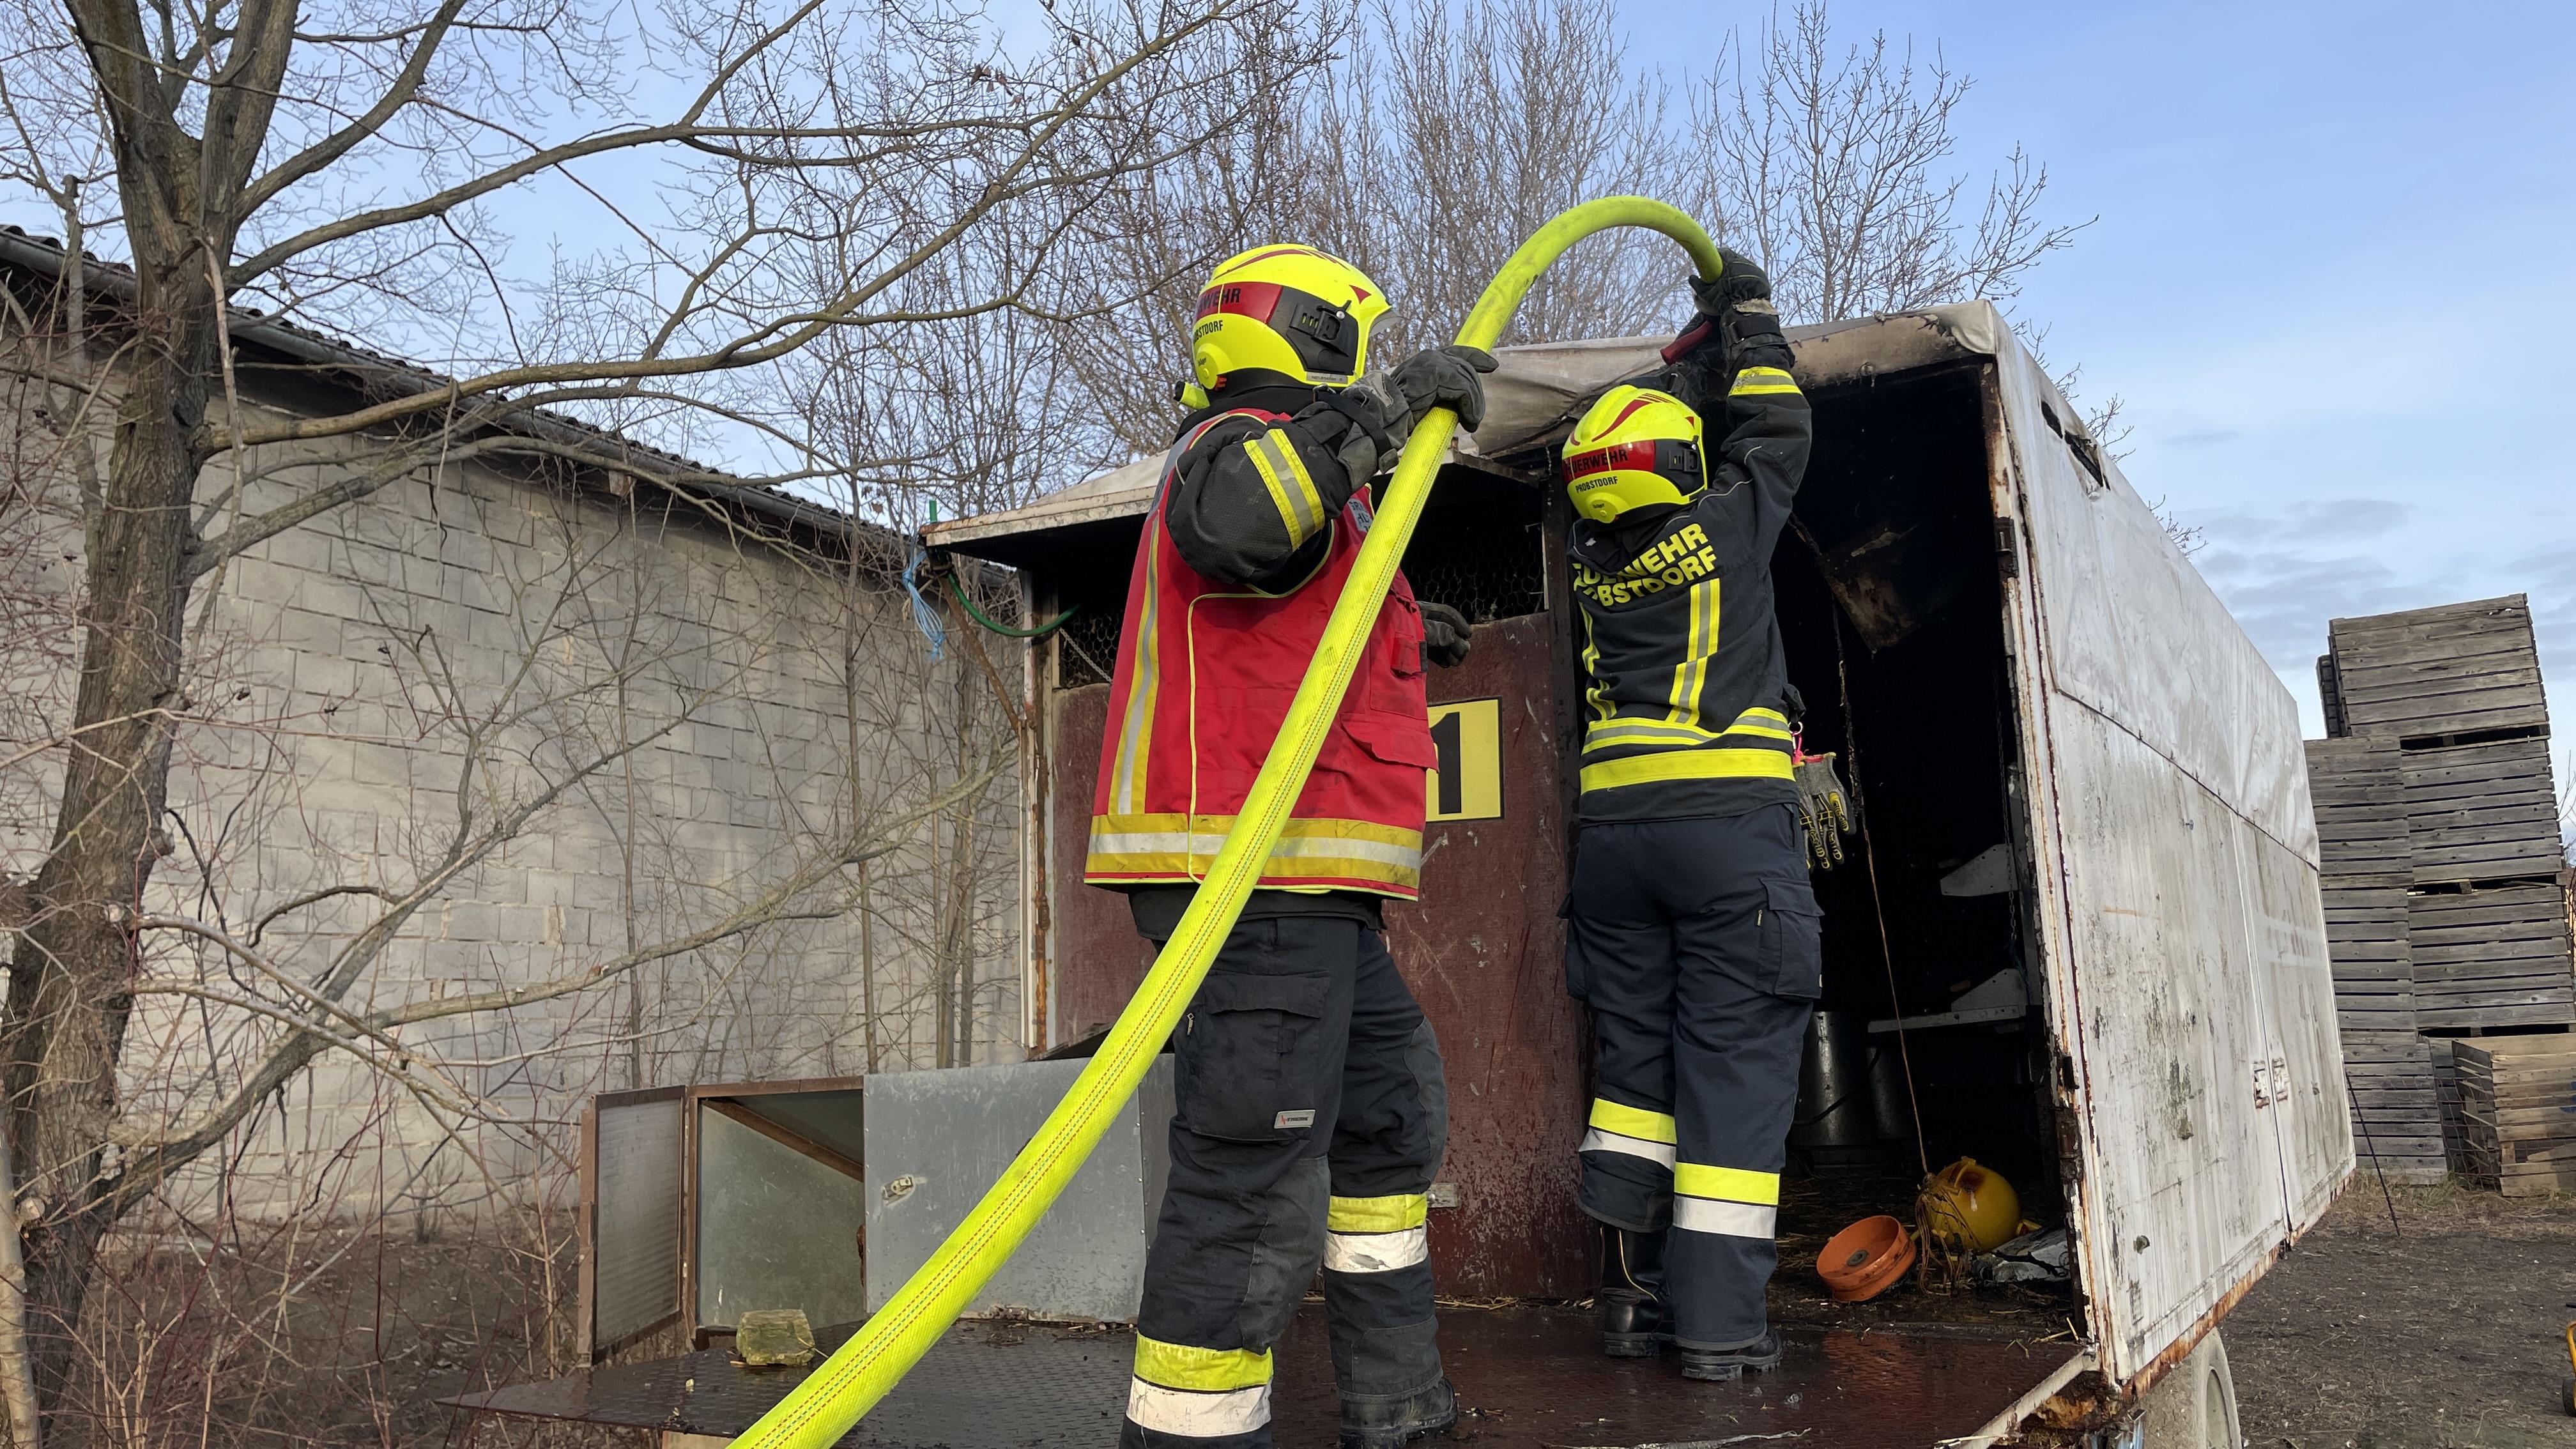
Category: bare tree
[1829,163]
[1462,126]
[826,173]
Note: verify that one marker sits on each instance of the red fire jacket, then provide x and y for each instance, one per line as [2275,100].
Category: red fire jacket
[1205,673]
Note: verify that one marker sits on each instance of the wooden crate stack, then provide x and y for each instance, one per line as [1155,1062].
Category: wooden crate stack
[2446,889]
[2518,1111]
[2360,792]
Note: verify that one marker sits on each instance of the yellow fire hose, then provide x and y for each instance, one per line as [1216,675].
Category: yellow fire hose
[867,1367]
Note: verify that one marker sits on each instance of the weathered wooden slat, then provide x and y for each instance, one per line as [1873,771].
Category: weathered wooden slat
[2470,618]
[2494,760]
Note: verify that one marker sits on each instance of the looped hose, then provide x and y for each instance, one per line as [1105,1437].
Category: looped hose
[858,1374]
[1005,630]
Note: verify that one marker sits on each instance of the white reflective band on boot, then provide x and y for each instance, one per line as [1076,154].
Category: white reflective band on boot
[1197,1413]
[1376,1252]
[1602,1139]
[1730,1219]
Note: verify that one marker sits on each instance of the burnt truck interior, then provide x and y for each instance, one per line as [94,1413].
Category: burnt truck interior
[1891,616]
[1929,1047]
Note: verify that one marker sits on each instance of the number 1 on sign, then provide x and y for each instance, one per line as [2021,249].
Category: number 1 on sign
[1467,784]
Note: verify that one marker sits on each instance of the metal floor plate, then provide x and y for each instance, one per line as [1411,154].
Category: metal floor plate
[1526,1377]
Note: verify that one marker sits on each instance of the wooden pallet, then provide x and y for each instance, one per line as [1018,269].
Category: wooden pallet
[2490,958]
[2397,1114]
[2446,1086]
[2456,669]
[2359,787]
[2480,812]
[2360,791]
[2518,1111]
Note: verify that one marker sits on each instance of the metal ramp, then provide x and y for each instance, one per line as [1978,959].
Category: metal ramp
[1527,1376]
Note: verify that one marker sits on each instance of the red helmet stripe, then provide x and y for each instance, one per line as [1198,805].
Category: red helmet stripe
[1637,456]
[1256,300]
[1629,411]
[1280,252]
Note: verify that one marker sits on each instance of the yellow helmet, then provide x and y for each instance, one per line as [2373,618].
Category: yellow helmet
[1286,309]
[1637,447]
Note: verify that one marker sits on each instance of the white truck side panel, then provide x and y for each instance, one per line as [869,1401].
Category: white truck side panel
[2176,854]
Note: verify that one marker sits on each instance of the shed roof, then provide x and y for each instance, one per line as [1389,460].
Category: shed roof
[375,375]
[1536,393]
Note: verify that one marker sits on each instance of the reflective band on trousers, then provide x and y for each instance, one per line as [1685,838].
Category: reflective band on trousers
[1633,1131]
[1736,1184]
[1376,1252]
[1735,1202]
[1200,1414]
[1390,1214]
[1603,1140]
[1726,1219]
[1179,1366]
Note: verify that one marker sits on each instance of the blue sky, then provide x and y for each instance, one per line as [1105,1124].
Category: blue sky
[2335,247]
[2335,262]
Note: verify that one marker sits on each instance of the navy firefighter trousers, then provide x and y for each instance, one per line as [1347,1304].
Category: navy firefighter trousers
[1310,1118]
[1696,943]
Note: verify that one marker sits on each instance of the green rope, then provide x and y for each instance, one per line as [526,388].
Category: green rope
[1005,630]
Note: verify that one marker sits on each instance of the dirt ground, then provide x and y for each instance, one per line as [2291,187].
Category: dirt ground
[2445,1331]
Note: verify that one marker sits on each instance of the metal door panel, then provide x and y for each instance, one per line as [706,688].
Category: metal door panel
[2178,857]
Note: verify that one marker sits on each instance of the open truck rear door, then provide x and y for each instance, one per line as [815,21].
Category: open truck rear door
[2193,1006]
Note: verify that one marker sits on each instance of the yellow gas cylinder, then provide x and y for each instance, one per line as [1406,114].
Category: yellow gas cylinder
[1970,1209]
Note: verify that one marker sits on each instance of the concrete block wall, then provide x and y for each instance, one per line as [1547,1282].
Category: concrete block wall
[494,633]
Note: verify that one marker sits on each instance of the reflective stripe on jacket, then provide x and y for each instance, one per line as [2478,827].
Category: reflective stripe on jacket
[1204,677]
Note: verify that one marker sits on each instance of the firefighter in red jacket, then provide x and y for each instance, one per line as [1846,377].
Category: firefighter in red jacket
[1311,1113]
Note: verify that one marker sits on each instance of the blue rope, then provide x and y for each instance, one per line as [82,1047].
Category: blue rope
[924,617]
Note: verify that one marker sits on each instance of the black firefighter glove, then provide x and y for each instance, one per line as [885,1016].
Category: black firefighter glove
[1445,634]
[1740,302]
[1444,377]
[1735,313]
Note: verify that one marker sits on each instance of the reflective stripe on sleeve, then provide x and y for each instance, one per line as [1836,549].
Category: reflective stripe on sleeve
[1292,488]
[1390,1214]
[1198,1414]
[1376,1252]
[1726,1219]
[1754,380]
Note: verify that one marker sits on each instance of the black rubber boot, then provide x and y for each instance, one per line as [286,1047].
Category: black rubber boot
[1717,1365]
[1633,1321]
[1388,1424]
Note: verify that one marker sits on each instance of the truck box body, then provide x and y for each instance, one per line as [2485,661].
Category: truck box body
[2139,755]
[2082,793]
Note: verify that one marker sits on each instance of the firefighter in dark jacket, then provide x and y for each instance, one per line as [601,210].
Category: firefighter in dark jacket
[1311,1112]
[1692,928]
